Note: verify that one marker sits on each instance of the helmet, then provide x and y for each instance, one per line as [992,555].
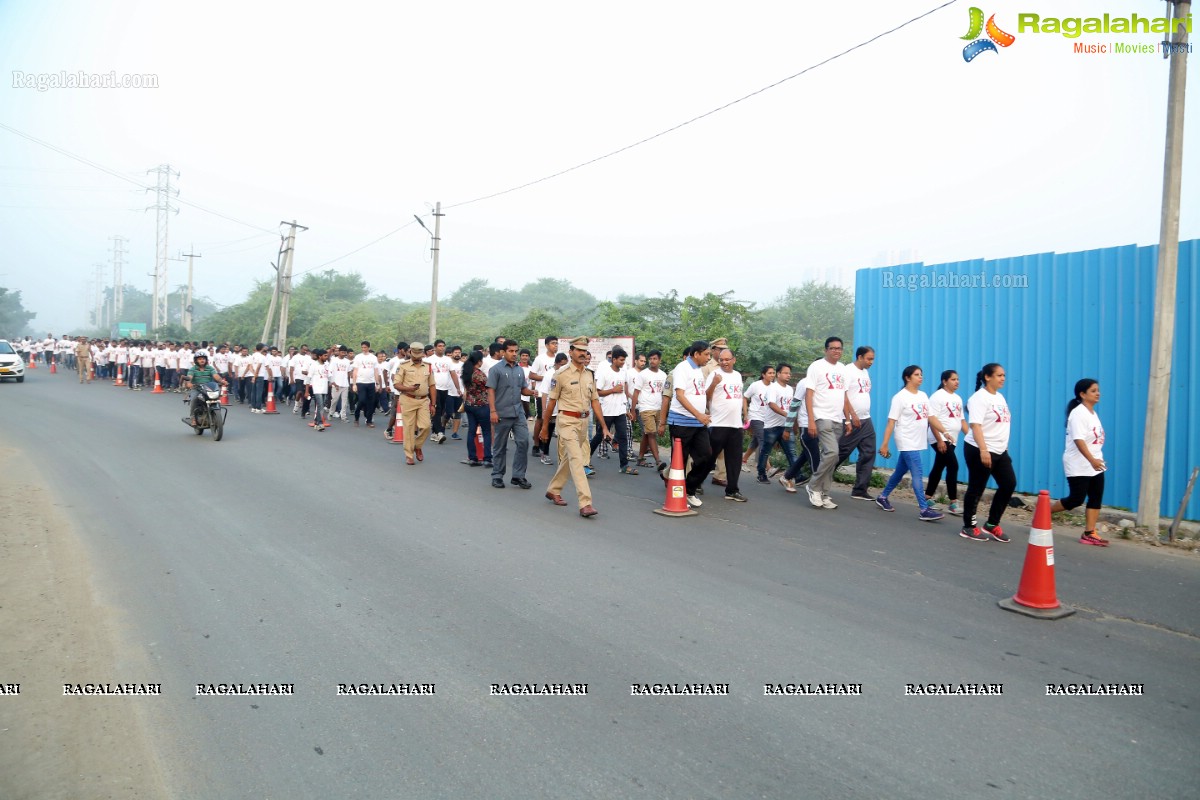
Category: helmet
[200,356]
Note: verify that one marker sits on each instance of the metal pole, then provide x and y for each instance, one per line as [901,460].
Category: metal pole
[1183,504]
[437,248]
[187,305]
[1163,340]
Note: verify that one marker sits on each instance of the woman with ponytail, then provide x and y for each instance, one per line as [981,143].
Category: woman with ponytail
[1083,458]
[985,449]
[910,420]
[947,406]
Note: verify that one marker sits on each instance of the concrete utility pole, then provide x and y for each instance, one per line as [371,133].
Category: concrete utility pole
[436,248]
[187,304]
[163,194]
[118,298]
[1163,341]
[285,281]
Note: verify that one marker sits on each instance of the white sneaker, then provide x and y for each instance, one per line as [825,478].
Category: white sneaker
[815,498]
[694,502]
[827,502]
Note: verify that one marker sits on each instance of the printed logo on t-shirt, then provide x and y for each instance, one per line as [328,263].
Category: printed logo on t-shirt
[698,385]
[732,392]
[1097,435]
[920,411]
[836,381]
[864,385]
[953,410]
[1002,414]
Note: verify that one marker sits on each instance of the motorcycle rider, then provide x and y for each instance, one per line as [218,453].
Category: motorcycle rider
[200,376]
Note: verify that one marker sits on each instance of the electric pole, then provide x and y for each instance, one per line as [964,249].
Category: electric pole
[1163,341]
[436,248]
[187,304]
[118,298]
[163,194]
[285,281]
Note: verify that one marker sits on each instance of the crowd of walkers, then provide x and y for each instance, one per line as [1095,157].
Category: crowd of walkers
[501,399]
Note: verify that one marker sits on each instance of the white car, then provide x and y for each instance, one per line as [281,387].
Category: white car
[11,365]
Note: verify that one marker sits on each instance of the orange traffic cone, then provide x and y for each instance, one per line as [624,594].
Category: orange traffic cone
[479,445]
[1036,596]
[32,361]
[270,409]
[91,376]
[53,367]
[224,395]
[120,381]
[398,429]
[676,504]
[157,385]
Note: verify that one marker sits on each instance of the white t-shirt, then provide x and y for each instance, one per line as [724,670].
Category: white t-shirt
[339,370]
[612,405]
[390,367]
[160,357]
[365,366]
[440,367]
[1083,424]
[121,354]
[910,410]
[257,361]
[780,396]
[649,385]
[543,365]
[186,359]
[991,412]
[456,371]
[828,384]
[756,395]
[275,364]
[693,382]
[147,358]
[858,389]
[487,364]
[948,408]
[319,376]
[220,362]
[726,407]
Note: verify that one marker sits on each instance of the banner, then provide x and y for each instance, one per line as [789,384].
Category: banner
[597,347]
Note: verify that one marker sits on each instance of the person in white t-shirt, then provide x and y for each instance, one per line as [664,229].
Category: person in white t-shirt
[827,408]
[298,369]
[1083,459]
[365,376]
[860,433]
[319,378]
[339,385]
[947,406]
[691,390]
[453,398]
[648,389]
[612,384]
[985,449]
[725,430]
[779,398]
[393,364]
[542,366]
[755,396]
[910,420]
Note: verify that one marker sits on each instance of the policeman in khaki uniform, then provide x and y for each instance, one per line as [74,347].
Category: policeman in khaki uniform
[575,396]
[83,359]
[418,395]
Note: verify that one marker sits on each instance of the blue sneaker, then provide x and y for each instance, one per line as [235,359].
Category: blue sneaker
[455,436]
[588,471]
[884,503]
[930,515]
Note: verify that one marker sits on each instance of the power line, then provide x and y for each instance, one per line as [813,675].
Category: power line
[359,250]
[125,178]
[707,113]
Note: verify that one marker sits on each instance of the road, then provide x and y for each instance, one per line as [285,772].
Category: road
[284,556]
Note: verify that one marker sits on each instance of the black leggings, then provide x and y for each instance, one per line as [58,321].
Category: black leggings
[948,461]
[1090,487]
[1001,472]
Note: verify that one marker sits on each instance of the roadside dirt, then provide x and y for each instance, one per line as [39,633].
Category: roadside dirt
[54,632]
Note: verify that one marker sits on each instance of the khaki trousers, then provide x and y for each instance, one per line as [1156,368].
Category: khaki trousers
[415,414]
[84,365]
[573,453]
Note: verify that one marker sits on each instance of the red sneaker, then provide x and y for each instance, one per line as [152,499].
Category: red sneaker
[1093,539]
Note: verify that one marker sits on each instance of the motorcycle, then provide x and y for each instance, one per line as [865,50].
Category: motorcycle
[210,415]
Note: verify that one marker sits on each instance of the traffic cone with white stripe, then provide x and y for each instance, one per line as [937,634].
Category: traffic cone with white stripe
[1036,596]
[120,381]
[398,429]
[479,444]
[270,409]
[676,504]
[53,367]
[157,384]
[32,361]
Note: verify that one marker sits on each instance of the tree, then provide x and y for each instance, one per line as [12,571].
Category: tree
[14,319]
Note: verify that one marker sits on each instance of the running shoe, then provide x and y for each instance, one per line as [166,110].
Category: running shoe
[662,470]
[763,479]
[862,496]
[883,503]
[1093,539]
[827,502]
[693,501]
[974,534]
[814,498]
[930,515]
[455,436]
[996,533]
[547,461]
[788,485]
[588,471]
[736,497]
[954,509]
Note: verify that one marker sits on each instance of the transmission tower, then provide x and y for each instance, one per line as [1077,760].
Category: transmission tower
[118,261]
[163,193]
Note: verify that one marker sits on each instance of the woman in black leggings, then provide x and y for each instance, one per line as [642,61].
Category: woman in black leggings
[947,406]
[1083,459]
[985,448]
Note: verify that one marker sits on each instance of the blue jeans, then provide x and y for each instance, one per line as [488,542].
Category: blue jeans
[479,418]
[909,461]
[770,437]
[260,393]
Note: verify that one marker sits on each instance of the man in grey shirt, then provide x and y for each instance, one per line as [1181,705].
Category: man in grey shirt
[506,388]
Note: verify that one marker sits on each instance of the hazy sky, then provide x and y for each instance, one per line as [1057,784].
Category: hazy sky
[351,118]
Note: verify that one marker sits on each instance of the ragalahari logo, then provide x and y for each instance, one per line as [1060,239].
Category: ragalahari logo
[995,36]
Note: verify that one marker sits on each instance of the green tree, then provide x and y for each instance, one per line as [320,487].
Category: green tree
[537,325]
[14,319]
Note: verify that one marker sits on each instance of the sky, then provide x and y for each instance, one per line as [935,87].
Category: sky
[351,119]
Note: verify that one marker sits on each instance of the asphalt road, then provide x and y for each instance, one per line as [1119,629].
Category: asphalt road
[284,556]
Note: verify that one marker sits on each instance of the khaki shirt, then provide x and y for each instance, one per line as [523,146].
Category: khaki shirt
[574,390]
[410,373]
[83,351]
